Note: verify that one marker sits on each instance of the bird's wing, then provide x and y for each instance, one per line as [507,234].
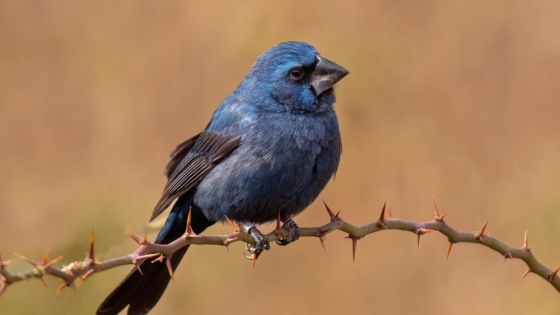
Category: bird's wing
[192,160]
[179,154]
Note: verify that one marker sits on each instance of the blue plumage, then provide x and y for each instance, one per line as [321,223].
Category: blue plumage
[271,146]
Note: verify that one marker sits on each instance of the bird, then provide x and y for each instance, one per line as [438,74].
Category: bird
[270,148]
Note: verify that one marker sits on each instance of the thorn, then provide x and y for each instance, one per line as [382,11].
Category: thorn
[437,217]
[45,256]
[135,238]
[43,281]
[436,212]
[148,256]
[278,231]
[3,286]
[354,243]
[235,228]
[228,241]
[489,232]
[254,258]
[88,273]
[169,268]
[321,234]
[52,262]
[64,285]
[525,274]
[144,239]
[31,262]
[331,214]
[139,269]
[420,232]
[391,214]
[552,276]
[381,223]
[507,256]
[61,286]
[526,242]
[188,230]
[480,234]
[231,224]
[91,255]
[4,263]
[449,251]
[322,241]
[160,258]
[278,221]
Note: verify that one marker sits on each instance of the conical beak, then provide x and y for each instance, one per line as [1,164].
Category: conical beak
[326,75]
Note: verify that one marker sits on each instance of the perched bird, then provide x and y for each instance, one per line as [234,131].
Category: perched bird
[270,148]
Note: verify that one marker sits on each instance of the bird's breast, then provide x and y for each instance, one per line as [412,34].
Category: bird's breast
[281,165]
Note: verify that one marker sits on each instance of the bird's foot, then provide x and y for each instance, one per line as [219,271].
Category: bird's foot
[291,230]
[261,242]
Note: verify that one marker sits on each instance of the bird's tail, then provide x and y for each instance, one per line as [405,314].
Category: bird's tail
[142,292]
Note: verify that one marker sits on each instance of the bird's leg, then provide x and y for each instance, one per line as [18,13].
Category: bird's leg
[261,241]
[292,230]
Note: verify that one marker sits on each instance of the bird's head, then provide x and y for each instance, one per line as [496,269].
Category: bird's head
[293,76]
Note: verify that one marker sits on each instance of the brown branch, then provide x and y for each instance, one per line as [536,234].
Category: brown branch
[162,252]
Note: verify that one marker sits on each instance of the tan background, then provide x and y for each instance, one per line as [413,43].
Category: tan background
[453,98]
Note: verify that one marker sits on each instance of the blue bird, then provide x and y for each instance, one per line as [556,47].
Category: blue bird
[271,147]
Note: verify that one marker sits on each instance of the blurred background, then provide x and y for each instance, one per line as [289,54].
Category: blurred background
[458,99]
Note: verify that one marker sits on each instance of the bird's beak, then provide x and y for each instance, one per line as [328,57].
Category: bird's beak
[325,75]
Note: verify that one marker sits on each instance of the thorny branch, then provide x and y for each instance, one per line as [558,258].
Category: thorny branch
[162,252]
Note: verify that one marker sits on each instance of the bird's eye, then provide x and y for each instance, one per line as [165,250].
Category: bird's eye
[296,73]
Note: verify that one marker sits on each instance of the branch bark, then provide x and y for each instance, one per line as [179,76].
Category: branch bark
[162,252]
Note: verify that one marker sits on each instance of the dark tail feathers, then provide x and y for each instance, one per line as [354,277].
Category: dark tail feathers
[142,292]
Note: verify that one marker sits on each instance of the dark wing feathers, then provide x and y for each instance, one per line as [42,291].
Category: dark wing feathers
[192,160]
[179,154]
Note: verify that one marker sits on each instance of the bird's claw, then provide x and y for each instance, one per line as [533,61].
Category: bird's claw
[261,243]
[292,230]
